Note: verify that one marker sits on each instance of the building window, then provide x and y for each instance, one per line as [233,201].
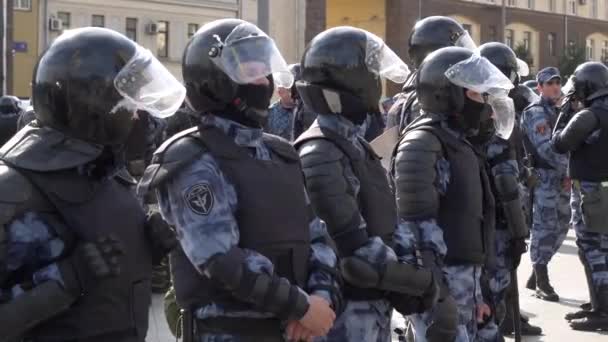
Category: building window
[131,29]
[492,33]
[22,5]
[192,28]
[552,6]
[162,39]
[551,38]
[98,20]
[468,28]
[509,38]
[590,49]
[512,3]
[594,11]
[605,52]
[572,7]
[527,40]
[65,18]
[531,4]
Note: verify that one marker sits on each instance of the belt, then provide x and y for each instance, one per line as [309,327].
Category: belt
[255,329]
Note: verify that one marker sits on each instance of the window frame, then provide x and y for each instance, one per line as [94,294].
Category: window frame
[17,5]
[134,29]
[103,20]
[165,32]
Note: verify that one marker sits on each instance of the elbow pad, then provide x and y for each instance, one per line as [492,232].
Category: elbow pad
[33,307]
[267,293]
[508,194]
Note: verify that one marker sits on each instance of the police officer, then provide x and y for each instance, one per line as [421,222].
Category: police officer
[435,168]
[281,112]
[428,35]
[511,228]
[552,191]
[254,263]
[59,195]
[342,70]
[585,137]
[10,111]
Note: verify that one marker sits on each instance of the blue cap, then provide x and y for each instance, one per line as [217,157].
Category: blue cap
[547,74]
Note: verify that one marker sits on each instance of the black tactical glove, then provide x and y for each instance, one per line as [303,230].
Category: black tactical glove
[517,247]
[89,262]
[160,235]
[407,305]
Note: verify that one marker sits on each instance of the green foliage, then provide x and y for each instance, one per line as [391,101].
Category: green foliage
[523,53]
[571,58]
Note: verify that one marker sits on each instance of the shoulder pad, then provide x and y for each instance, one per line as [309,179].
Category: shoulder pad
[281,146]
[318,151]
[420,140]
[15,189]
[172,156]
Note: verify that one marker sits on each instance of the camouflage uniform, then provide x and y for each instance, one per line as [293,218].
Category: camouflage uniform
[593,245]
[463,281]
[203,236]
[551,212]
[499,274]
[280,121]
[366,320]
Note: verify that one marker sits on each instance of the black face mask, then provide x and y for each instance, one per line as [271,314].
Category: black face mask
[250,106]
[471,117]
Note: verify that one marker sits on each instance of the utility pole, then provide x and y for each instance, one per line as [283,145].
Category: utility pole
[503,14]
[4,46]
[419,9]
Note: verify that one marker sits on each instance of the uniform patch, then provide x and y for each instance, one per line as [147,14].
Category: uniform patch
[542,128]
[200,199]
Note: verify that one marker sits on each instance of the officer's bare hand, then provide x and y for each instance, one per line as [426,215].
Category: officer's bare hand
[483,312]
[320,317]
[296,332]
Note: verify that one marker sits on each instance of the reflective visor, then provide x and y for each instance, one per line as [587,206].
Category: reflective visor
[146,84]
[248,55]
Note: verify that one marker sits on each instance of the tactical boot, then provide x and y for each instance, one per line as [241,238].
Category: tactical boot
[161,277]
[585,309]
[527,329]
[531,284]
[544,290]
[596,319]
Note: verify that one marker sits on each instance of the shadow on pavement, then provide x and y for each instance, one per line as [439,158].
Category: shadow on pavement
[573,303]
[568,249]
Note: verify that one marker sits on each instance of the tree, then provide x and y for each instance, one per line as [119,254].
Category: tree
[523,53]
[571,58]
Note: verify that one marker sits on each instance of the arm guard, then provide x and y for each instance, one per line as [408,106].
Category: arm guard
[415,176]
[32,308]
[508,194]
[267,293]
[332,198]
[576,131]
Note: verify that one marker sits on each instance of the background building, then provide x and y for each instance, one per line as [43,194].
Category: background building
[544,32]
[163,27]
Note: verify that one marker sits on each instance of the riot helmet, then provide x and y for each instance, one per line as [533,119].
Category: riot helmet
[230,68]
[91,81]
[447,74]
[9,104]
[342,69]
[505,59]
[433,33]
[589,82]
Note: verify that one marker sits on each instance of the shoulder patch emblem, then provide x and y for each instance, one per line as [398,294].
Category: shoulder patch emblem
[200,199]
[542,128]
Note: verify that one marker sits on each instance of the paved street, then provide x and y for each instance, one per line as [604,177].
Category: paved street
[567,277]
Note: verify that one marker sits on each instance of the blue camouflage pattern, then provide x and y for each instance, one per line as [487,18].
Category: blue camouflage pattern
[366,320]
[593,245]
[280,121]
[203,236]
[33,246]
[463,281]
[550,213]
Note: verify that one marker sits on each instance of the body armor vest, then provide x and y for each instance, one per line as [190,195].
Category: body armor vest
[587,163]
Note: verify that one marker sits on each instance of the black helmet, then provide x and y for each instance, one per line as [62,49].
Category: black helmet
[532,84]
[503,58]
[9,104]
[89,83]
[342,69]
[522,97]
[436,94]
[590,81]
[433,33]
[215,79]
